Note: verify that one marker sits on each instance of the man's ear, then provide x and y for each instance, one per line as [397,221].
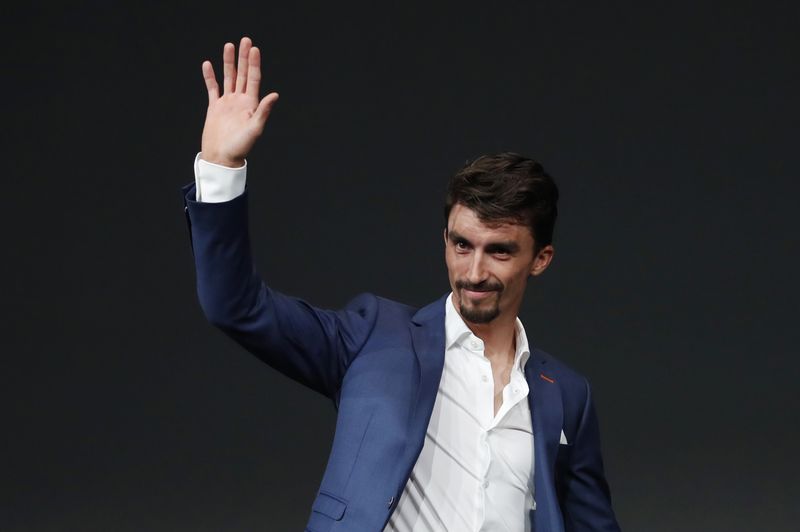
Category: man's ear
[445,236]
[542,260]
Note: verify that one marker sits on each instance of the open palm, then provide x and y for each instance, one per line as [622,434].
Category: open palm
[235,119]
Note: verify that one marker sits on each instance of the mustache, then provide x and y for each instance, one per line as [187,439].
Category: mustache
[479,287]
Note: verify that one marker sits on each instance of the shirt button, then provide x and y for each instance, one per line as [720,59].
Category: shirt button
[475,345]
[391,501]
[485,484]
[516,390]
[484,378]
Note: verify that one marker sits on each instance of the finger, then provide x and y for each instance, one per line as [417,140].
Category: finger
[263,110]
[244,53]
[228,70]
[254,72]
[211,82]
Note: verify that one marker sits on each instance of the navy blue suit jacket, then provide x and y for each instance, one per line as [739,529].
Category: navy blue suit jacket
[381,362]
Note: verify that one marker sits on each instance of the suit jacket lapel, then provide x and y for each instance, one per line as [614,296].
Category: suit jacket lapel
[427,334]
[547,413]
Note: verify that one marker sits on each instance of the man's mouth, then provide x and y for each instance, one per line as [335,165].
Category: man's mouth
[477,294]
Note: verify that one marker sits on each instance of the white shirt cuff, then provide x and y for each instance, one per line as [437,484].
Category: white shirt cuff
[215,183]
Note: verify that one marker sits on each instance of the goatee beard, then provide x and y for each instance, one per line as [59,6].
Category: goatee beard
[475,314]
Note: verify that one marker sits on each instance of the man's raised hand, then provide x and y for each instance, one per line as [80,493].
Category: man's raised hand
[236,119]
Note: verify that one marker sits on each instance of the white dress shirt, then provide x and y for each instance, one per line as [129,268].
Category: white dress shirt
[475,470]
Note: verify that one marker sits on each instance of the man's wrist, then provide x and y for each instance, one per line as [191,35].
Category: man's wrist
[221,160]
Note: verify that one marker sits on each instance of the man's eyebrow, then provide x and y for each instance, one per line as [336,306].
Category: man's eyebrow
[505,247]
[455,236]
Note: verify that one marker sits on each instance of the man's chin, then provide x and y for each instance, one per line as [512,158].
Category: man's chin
[478,314]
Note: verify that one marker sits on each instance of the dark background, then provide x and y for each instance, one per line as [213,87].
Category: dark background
[671,128]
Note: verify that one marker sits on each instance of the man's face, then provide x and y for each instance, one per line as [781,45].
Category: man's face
[489,265]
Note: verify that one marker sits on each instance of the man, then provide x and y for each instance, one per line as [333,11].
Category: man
[447,419]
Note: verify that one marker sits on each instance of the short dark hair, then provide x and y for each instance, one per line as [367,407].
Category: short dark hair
[507,187]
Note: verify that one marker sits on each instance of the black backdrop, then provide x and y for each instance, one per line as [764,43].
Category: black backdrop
[671,128]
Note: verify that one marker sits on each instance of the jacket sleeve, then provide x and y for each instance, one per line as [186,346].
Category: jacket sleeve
[309,345]
[583,490]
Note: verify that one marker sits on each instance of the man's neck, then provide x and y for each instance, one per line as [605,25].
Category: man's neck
[499,337]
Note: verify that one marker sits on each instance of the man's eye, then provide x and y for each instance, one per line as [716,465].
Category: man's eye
[461,245]
[501,253]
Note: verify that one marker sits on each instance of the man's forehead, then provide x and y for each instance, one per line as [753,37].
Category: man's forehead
[464,218]
[466,223]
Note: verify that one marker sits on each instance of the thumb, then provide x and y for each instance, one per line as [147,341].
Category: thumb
[263,109]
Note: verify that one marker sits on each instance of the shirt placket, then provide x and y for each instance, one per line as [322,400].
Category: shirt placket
[486,408]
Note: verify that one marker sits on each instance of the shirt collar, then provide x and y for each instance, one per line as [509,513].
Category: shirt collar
[456,332]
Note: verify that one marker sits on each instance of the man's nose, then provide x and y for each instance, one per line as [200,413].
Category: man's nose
[477,270]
